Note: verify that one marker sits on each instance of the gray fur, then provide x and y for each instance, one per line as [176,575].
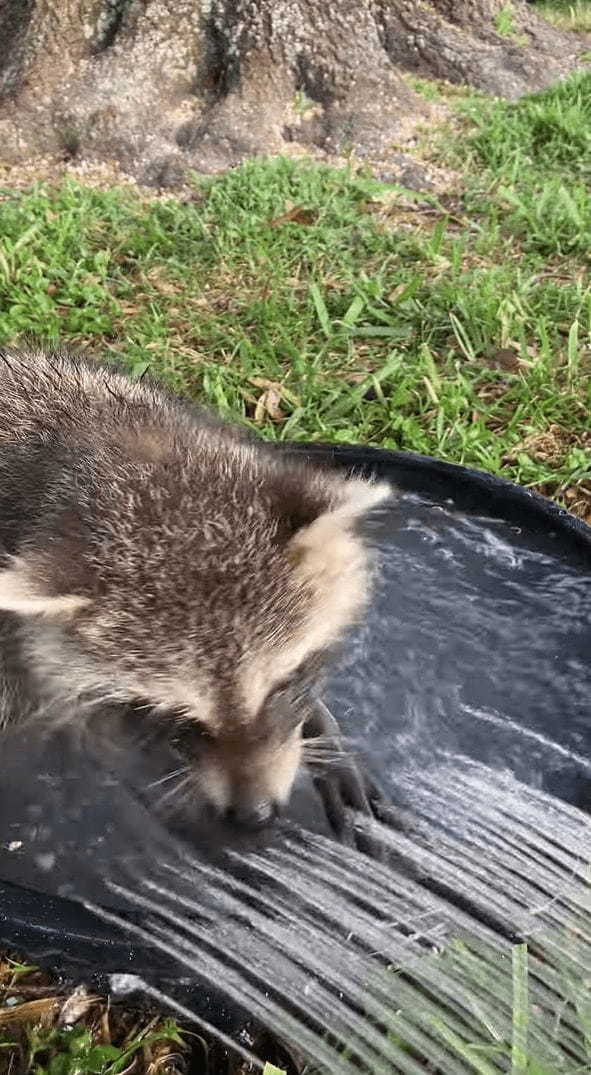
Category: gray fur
[179,536]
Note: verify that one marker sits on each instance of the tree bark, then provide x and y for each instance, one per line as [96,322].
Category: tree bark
[162,85]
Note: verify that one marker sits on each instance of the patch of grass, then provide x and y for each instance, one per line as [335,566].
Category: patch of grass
[547,132]
[504,24]
[302,103]
[513,1042]
[318,304]
[45,1031]
[48,1029]
[436,89]
[429,88]
[538,157]
[71,140]
[74,1050]
[510,1027]
[504,21]
[567,14]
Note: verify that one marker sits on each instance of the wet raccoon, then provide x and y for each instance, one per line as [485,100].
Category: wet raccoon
[155,557]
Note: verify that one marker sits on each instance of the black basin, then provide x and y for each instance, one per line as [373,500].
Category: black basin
[476,649]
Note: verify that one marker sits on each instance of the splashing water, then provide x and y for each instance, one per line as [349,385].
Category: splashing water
[360,963]
[472,625]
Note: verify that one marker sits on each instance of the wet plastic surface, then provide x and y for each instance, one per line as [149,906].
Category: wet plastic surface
[479,640]
[476,648]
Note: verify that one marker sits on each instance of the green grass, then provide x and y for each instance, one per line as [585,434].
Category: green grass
[504,23]
[547,134]
[321,305]
[567,14]
[74,1051]
[102,1040]
[45,1029]
[503,1028]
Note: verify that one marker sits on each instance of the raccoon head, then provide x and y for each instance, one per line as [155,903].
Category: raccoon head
[213,586]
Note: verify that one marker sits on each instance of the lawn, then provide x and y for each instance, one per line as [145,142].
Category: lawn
[567,14]
[316,304]
[319,304]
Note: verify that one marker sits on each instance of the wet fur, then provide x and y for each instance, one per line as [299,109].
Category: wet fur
[153,556]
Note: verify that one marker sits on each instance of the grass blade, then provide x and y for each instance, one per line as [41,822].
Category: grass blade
[321,310]
[519,1059]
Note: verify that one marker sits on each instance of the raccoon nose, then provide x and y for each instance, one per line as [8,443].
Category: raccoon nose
[252,815]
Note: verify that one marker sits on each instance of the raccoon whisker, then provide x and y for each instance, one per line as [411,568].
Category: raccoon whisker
[169,776]
[73,704]
[180,792]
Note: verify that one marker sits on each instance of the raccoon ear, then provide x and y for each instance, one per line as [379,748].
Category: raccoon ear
[326,551]
[302,496]
[358,497]
[23,592]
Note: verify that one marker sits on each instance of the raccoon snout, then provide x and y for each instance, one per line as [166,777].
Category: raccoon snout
[251,816]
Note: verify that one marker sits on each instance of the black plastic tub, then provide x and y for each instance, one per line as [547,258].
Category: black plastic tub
[476,650]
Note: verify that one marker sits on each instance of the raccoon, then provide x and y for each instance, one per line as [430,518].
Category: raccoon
[152,556]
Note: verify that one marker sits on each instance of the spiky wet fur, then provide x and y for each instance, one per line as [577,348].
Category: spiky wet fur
[153,555]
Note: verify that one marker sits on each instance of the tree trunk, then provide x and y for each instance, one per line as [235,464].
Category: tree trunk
[162,85]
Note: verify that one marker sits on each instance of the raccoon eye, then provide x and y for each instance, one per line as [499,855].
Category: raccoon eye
[281,690]
[295,691]
[291,697]
[191,737]
[288,688]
